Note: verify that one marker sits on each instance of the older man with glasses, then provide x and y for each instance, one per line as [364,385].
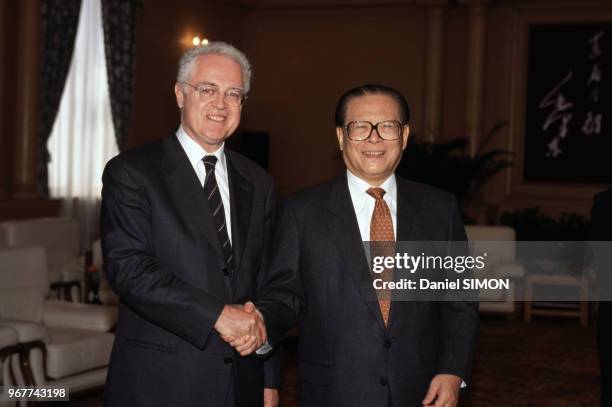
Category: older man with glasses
[185,225]
[357,348]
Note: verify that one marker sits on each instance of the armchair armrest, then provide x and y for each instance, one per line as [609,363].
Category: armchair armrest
[80,316]
[8,337]
[27,331]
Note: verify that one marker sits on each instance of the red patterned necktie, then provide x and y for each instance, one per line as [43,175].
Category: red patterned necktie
[381,230]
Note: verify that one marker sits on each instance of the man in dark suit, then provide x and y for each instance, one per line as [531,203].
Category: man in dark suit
[355,350]
[601,230]
[184,224]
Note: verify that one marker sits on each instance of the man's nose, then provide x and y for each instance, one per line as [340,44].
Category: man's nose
[219,101]
[374,137]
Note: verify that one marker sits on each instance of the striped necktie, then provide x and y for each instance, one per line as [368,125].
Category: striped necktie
[211,190]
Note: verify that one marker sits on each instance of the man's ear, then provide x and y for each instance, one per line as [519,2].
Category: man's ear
[405,135]
[178,92]
[340,136]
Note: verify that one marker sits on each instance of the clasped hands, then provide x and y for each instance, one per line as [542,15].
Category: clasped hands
[242,326]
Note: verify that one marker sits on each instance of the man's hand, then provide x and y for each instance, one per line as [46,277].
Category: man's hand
[271,398]
[443,391]
[242,327]
[246,345]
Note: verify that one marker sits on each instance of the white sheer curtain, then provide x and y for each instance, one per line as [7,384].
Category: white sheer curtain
[83,138]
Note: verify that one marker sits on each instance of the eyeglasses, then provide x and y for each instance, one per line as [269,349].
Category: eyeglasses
[208,92]
[362,130]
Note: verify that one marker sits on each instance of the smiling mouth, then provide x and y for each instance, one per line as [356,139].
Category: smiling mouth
[373,154]
[215,118]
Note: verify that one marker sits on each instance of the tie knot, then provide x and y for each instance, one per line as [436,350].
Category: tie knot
[376,193]
[209,162]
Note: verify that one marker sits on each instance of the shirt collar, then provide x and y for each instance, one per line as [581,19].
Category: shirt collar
[358,189]
[196,153]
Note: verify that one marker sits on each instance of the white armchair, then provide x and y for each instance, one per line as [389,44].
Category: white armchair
[60,238]
[499,242]
[62,343]
[8,342]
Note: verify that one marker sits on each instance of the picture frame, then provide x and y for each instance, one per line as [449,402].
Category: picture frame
[549,164]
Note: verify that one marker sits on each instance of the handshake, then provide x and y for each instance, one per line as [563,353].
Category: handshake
[243,327]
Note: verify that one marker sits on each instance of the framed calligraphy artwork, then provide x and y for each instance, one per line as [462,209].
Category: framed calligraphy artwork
[562,92]
[568,114]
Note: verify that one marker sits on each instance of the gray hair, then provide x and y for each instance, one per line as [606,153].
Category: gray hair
[187,61]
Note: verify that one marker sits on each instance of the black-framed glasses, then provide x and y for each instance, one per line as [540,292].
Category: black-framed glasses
[208,91]
[361,130]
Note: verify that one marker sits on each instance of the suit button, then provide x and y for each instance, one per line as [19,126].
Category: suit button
[383,382]
[228,360]
[387,343]
[225,271]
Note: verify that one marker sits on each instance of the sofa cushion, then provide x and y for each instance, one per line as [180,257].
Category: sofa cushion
[23,283]
[497,241]
[52,233]
[80,316]
[59,237]
[71,351]
[26,331]
[14,261]
[25,304]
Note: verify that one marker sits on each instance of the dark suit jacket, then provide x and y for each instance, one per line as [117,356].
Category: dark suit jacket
[162,257]
[601,230]
[347,357]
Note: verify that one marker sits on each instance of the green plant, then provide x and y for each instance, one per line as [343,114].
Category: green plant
[532,225]
[450,166]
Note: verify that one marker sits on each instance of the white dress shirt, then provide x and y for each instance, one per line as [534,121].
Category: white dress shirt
[196,153]
[363,203]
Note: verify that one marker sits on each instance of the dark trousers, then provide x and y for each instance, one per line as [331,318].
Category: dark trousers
[232,392]
[604,339]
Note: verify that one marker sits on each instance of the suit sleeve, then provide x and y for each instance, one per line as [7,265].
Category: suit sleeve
[601,219]
[280,296]
[133,270]
[459,319]
[272,363]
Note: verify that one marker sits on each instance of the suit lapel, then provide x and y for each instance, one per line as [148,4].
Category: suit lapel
[407,210]
[187,192]
[241,202]
[343,226]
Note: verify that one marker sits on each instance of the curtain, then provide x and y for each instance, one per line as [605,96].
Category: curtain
[83,139]
[119,22]
[59,25]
